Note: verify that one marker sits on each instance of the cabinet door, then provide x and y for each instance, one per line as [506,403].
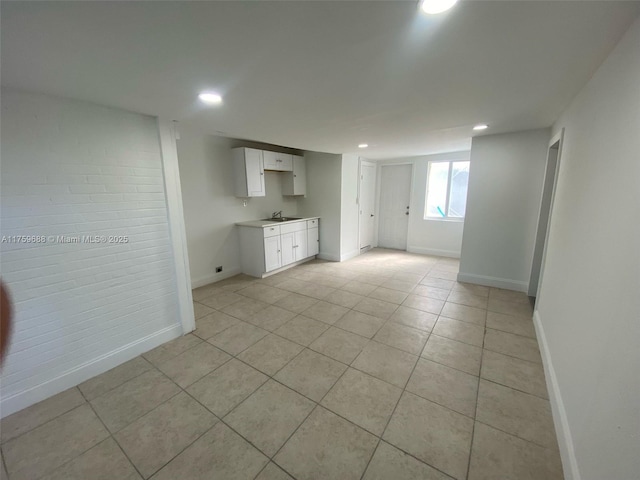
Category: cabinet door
[285,162]
[288,241]
[313,242]
[270,160]
[272,253]
[299,176]
[300,245]
[255,172]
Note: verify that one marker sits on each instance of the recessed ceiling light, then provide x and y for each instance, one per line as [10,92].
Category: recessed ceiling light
[481,126]
[363,145]
[210,98]
[433,7]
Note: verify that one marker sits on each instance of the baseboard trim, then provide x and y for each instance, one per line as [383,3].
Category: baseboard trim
[560,420]
[79,374]
[434,251]
[214,277]
[496,282]
[350,255]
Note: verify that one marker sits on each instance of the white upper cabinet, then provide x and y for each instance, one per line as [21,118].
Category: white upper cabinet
[248,169]
[281,162]
[295,183]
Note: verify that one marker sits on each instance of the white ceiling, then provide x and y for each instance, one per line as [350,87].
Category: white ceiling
[321,76]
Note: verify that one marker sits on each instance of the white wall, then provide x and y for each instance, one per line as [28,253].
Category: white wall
[349,211]
[429,237]
[211,208]
[503,202]
[588,311]
[72,168]
[323,199]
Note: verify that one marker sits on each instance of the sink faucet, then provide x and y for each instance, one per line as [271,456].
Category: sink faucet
[277,214]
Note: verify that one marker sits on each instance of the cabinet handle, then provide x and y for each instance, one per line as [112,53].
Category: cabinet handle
[278,251]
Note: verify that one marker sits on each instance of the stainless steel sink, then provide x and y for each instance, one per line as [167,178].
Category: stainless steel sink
[283,219]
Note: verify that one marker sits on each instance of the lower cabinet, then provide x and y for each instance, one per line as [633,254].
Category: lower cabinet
[264,250]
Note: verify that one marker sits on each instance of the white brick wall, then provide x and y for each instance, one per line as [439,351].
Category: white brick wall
[73,168]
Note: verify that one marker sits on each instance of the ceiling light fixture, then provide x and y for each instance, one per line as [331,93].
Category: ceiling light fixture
[481,126]
[210,98]
[363,145]
[433,7]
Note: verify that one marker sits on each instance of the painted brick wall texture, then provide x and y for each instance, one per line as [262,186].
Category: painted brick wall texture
[73,169]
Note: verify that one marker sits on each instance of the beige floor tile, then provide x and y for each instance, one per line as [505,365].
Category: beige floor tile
[3,471]
[400,285]
[293,285]
[128,402]
[497,454]
[236,282]
[219,453]
[377,308]
[101,384]
[431,292]
[414,318]
[295,302]
[263,293]
[444,274]
[331,281]
[221,299]
[386,363]
[510,308]
[509,296]
[195,363]
[344,298]
[388,295]
[408,277]
[458,330]
[444,385]
[478,290]
[426,304]
[271,318]
[509,323]
[49,446]
[204,292]
[245,308]
[31,417]
[105,461]
[339,344]
[200,310]
[270,354]
[273,472]
[269,416]
[402,337]
[359,288]
[238,338]
[432,433]
[360,323]
[520,414]
[316,291]
[272,281]
[461,356]
[515,373]
[302,330]
[311,374]
[514,345]
[438,283]
[170,349]
[153,440]
[325,312]
[224,388]
[372,279]
[327,447]
[363,399]
[477,316]
[468,299]
[389,463]
[213,324]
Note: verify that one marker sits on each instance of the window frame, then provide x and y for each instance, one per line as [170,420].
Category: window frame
[446,218]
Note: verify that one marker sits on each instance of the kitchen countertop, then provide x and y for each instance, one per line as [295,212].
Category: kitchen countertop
[268,223]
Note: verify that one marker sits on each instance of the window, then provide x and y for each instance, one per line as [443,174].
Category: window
[447,190]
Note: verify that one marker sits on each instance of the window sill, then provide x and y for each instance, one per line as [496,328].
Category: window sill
[440,219]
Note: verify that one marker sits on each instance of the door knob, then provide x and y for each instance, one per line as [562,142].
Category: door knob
[406,213]
[372,214]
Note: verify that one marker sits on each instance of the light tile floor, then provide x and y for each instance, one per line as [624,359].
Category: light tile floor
[382,367]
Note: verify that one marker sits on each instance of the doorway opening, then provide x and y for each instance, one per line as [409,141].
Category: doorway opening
[367,202]
[544,219]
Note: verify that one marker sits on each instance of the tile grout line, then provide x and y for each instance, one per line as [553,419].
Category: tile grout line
[475,413]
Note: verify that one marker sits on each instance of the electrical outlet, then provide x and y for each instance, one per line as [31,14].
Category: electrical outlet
[219,269]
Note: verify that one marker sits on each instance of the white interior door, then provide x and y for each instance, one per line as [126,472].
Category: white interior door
[395,191]
[367,204]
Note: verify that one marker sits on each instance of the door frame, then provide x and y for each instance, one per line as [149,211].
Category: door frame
[558,139]
[374,240]
[379,191]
